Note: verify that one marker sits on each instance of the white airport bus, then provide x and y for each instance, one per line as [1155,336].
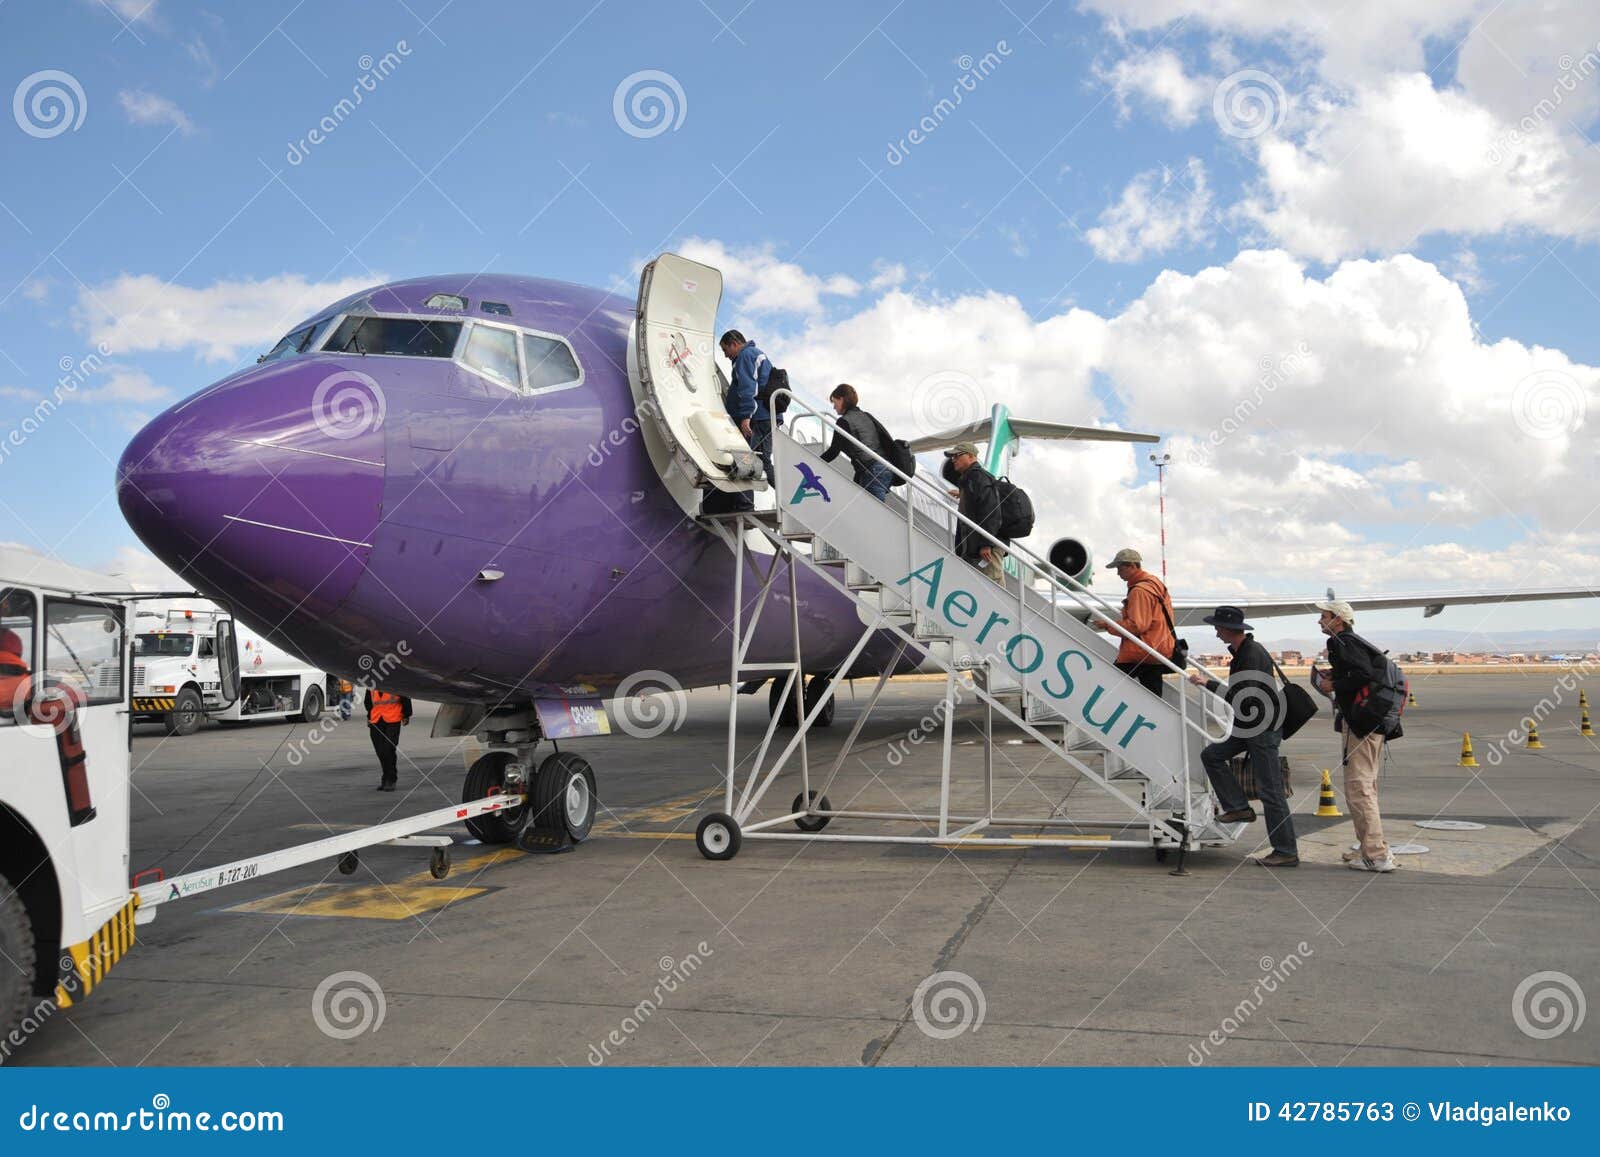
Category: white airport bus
[176,680]
[68,908]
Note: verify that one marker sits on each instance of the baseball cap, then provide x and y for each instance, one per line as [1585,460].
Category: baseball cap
[1339,608]
[1126,554]
[962,448]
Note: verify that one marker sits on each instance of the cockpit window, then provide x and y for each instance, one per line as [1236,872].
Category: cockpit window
[550,362]
[493,351]
[447,301]
[288,345]
[395,337]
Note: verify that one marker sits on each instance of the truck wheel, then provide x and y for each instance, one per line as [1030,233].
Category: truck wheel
[485,777]
[311,710]
[186,714]
[16,959]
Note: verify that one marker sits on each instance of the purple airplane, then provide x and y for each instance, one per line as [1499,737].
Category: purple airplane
[449,469]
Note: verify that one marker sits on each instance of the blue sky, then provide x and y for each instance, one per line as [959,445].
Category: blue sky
[189,214]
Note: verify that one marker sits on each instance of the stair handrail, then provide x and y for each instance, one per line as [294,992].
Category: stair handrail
[1066,583]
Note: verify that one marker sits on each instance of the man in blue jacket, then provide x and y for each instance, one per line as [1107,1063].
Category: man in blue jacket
[751,369]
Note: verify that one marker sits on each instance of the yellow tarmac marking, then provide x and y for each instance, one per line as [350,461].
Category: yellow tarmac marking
[401,900]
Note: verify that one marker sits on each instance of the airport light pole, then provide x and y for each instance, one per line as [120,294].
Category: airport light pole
[1161,465]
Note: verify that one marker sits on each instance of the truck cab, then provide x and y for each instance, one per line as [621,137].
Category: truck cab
[66,908]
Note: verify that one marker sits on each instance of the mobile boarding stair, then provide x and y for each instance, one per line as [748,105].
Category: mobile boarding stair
[1036,663]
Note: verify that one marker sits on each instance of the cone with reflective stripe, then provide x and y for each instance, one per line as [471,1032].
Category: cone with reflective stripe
[1466,752]
[1326,804]
[1586,728]
[1533,736]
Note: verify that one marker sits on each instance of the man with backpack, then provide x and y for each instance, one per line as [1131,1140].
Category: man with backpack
[1258,717]
[1146,615]
[980,503]
[1369,691]
[749,391]
[870,474]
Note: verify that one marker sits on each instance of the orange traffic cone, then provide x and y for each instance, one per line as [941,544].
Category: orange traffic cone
[1533,736]
[1466,752]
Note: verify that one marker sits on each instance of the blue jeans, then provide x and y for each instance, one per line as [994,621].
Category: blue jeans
[761,443]
[875,479]
[1263,751]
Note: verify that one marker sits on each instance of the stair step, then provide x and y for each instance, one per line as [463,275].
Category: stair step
[831,561]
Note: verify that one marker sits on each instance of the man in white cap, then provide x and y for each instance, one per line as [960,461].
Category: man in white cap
[1356,668]
[980,504]
[1147,616]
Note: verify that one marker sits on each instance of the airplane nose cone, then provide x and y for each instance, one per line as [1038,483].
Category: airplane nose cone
[269,486]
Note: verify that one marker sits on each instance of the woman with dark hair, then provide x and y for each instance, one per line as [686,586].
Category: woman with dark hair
[871,475]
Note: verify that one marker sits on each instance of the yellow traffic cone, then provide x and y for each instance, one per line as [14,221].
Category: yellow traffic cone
[1586,728]
[1533,736]
[1326,804]
[1466,752]
[1583,698]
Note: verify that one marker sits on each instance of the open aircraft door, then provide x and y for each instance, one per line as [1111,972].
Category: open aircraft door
[677,385]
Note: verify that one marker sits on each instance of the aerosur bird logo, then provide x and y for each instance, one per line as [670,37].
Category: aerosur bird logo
[809,484]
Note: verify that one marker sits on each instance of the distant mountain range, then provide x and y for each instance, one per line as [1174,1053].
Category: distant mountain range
[1568,639]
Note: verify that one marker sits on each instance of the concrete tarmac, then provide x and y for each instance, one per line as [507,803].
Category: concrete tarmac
[634,950]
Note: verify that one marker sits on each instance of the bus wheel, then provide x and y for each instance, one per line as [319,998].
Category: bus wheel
[186,714]
[16,945]
[311,710]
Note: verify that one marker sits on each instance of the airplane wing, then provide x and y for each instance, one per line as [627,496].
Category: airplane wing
[982,431]
[1190,611]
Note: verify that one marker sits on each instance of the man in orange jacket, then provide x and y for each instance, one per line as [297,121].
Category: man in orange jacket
[1147,615]
[386,714]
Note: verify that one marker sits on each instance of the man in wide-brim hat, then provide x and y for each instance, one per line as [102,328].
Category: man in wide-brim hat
[1258,708]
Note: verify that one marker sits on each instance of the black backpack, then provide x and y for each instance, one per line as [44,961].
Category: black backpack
[776,380]
[1016,509]
[1379,705]
[896,452]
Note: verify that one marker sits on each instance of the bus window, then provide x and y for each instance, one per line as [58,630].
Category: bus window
[17,615]
[83,648]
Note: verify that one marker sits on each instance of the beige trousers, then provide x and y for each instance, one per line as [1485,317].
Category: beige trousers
[1362,758]
[995,567]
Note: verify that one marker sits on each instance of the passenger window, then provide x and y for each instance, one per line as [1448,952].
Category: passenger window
[83,649]
[396,337]
[550,362]
[494,352]
[17,616]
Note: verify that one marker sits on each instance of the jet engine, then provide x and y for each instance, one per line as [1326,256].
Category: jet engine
[1072,558]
